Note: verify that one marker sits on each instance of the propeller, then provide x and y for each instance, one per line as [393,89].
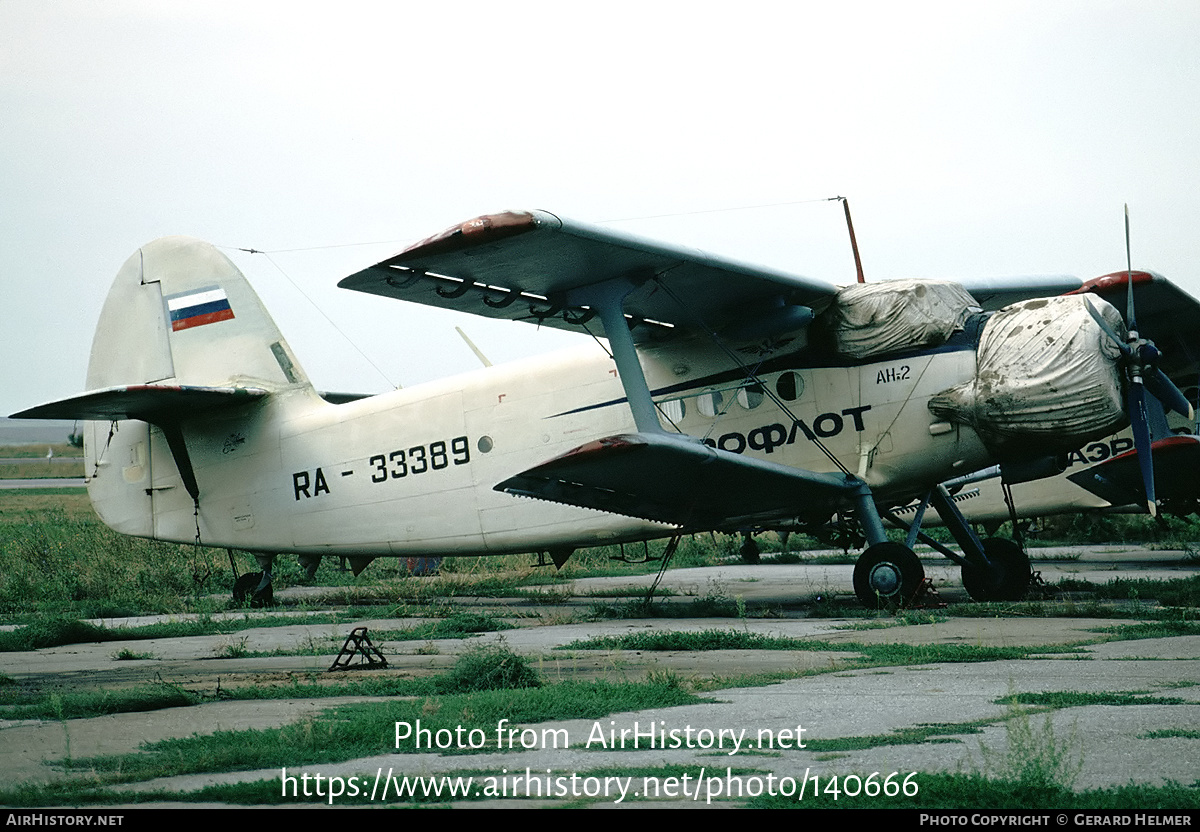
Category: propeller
[1143,375]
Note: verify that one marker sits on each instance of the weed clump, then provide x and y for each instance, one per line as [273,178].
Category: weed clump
[1035,757]
[490,667]
[467,623]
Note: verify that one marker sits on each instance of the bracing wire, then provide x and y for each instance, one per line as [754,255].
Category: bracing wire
[317,307]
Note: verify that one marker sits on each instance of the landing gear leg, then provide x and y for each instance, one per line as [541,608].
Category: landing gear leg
[310,563]
[887,575]
[994,569]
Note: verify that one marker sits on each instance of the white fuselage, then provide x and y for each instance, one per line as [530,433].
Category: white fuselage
[412,471]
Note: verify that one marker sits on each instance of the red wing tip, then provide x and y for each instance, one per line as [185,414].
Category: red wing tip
[480,229]
[611,443]
[1112,281]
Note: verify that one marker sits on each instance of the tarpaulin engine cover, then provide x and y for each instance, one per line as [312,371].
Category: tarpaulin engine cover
[869,319]
[1046,377]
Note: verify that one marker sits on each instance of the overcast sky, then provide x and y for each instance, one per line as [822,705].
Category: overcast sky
[971,142]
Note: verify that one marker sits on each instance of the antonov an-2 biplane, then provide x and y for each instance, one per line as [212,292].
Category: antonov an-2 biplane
[1101,477]
[723,396]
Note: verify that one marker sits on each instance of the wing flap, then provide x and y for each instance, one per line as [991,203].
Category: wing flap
[531,266]
[669,479]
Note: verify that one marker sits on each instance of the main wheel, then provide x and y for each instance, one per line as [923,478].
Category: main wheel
[1008,580]
[887,575]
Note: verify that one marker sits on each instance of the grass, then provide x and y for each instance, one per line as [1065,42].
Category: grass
[1086,527]
[127,655]
[485,668]
[694,641]
[1077,699]
[38,450]
[491,667]
[14,704]
[1153,629]
[55,564]
[57,559]
[1175,592]
[56,632]
[352,731]
[30,461]
[58,564]
[869,655]
[1170,733]
[39,468]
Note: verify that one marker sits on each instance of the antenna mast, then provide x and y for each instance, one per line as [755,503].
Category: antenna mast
[853,242]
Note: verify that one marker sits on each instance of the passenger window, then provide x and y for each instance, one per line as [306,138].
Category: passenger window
[673,410]
[750,396]
[790,386]
[709,403]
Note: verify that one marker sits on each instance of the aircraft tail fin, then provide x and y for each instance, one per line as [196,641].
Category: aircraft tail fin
[182,353]
[180,312]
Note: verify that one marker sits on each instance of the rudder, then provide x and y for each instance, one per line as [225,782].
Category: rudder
[180,312]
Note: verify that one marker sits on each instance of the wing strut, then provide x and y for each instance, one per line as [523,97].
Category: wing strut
[607,299]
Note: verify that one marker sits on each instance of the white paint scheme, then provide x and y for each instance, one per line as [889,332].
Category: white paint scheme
[250,461]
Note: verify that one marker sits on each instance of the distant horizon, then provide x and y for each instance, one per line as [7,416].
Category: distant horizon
[34,431]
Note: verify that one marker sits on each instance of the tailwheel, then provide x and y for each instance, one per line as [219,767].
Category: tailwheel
[1007,580]
[749,551]
[887,575]
[250,587]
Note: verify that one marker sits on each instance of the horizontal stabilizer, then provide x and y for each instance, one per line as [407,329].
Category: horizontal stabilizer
[1119,480]
[146,402]
[670,479]
[334,397]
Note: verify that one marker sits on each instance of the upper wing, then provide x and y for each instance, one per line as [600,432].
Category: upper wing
[993,294]
[532,266]
[1166,315]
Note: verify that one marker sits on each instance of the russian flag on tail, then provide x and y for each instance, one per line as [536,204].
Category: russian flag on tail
[199,307]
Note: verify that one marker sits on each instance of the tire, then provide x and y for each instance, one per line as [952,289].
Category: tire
[887,575]
[1008,581]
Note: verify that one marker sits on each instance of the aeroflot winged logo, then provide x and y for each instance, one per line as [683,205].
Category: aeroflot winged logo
[199,307]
